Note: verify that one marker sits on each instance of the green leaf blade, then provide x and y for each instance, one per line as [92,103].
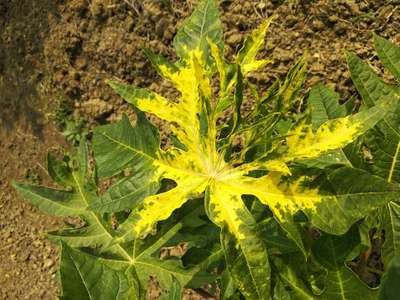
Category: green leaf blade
[118,146]
[248,265]
[84,277]
[127,193]
[389,288]
[389,54]
[356,192]
[324,105]
[391,246]
[343,284]
[51,201]
[371,88]
[202,25]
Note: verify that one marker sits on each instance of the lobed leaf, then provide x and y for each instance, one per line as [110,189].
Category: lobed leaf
[83,276]
[121,146]
[389,54]
[343,284]
[74,201]
[389,288]
[391,247]
[324,105]
[246,58]
[371,88]
[203,24]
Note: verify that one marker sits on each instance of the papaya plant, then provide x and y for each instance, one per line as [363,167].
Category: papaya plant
[383,144]
[375,153]
[239,193]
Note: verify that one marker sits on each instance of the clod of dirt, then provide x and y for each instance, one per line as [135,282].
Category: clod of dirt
[96,108]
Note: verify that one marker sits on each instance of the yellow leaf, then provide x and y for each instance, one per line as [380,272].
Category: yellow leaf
[201,166]
[246,57]
[303,143]
[282,197]
[160,206]
[219,62]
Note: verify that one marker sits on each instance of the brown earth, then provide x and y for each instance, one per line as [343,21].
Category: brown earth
[58,53]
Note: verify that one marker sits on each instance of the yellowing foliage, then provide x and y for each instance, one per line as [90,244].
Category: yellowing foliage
[201,166]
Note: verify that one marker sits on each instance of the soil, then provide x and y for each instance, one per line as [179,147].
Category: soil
[59,53]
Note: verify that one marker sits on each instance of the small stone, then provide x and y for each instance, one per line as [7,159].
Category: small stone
[81,63]
[318,25]
[79,6]
[161,26]
[48,263]
[96,107]
[97,9]
[168,34]
[234,39]
[354,8]
[261,5]
[340,28]
[333,19]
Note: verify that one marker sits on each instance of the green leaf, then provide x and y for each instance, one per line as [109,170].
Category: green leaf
[290,277]
[83,276]
[371,88]
[389,54]
[174,292]
[51,201]
[246,58]
[384,142]
[291,86]
[228,287]
[146,255]
[324,105]
[73,201]
[343,284]
[275,238]
[203,24]
[248,265]
[119,146]
[293,232]
[142,256]
[391,246]
[390,288]
[127,193]
[332,251]
[280,292]
[236,119]
[384,146]
[59,171]
[356,192]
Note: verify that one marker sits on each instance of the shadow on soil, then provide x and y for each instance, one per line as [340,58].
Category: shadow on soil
[24,26]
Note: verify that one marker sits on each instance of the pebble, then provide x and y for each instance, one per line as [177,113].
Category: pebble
[333,18]
[234,39]
[318,25]
[48,263]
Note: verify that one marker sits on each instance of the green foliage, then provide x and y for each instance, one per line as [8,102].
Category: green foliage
[278,215]
[383,144]
[127,266]
[73,129]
